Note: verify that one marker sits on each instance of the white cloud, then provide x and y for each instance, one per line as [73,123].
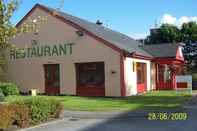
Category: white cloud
[138,35]
[182,20]
[170,19]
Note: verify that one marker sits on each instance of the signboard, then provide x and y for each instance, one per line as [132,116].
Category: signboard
[42,51]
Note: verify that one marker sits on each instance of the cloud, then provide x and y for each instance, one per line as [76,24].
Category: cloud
[138,35]
[170,19]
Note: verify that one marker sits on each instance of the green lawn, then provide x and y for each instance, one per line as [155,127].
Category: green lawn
[152,101]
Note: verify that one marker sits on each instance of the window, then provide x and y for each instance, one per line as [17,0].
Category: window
[164,73]
[167,74]
[90,74]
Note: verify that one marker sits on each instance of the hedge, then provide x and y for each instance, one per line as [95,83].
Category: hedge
[43,108]
[30,111]
[2,97]
[9,89]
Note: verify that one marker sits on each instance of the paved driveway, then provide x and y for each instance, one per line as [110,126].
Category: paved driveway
[121,124]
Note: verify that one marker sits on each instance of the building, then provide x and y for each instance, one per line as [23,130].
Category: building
[72,56]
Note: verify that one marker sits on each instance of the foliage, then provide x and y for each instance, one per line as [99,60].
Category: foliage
[6,115]
[25,112]
[2,97]
[20,114]
[14,113]
[9,89]
[190,54]
[6,28]
[189,32]
[167,33]
[41,109]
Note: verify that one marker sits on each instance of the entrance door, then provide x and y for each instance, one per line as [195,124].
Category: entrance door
[165,75]
[52,79]
[90,79]
[141,77]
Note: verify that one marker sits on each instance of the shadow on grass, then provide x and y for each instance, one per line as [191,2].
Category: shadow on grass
[129,103]
[138,120]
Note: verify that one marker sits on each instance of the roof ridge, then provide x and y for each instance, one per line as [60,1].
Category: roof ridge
[99,26]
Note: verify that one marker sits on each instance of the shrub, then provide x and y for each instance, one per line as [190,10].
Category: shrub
[59,109]
[33,110]
[20,114]
[6,116]
[9,89]
[41,109]
[1,96]
[14,113]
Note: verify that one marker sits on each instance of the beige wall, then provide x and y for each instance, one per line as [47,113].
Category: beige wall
[131,76]
[29,73]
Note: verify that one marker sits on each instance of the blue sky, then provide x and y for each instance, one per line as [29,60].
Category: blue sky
[132,17]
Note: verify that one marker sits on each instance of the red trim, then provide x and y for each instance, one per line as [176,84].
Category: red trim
[169,61]
[122,76]
[138,56]
[182,85]
[142,57]
[90,91]
[156,76]
[71,24]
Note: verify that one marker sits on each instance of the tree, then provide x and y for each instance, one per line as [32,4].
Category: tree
[6,28]
[171,34]
[165,34]
[189,32]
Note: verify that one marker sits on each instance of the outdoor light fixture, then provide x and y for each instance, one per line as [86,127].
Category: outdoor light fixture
[79,33]
[113,72]
[34,42]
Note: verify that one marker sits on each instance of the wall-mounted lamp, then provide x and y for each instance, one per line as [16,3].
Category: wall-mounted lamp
[34,42]
[79,33]
[113,72]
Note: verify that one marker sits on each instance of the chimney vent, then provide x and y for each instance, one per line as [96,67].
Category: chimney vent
[98,22]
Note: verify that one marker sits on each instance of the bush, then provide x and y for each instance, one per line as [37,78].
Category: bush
[9,89]
[2,97]
[6,116]
[41,109]
[20,114]
[33,110]
[14,113]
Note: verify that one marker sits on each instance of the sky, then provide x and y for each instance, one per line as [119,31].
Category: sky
[131,17]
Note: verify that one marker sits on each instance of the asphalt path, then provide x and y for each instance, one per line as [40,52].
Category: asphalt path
[120,123]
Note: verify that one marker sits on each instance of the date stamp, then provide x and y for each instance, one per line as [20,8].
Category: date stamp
[181,116]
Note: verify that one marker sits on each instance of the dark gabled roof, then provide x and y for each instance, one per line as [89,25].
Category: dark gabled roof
[119,40]
[162,50]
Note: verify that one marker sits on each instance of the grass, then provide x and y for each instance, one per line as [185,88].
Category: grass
[151,101]
[194,76]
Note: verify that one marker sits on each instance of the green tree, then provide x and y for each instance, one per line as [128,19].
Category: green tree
[189,32]
[165,34]
[7,30]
